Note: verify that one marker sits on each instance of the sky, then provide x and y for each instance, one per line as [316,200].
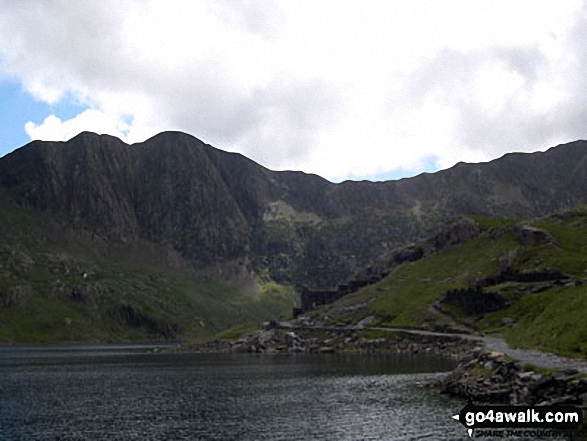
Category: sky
[344,89]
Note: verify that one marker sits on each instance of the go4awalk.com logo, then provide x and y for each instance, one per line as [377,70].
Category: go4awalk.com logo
[510,421]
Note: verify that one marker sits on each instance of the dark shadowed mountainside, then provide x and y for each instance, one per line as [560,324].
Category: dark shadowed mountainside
[211,206]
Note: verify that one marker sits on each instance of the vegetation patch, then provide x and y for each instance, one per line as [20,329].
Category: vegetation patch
[238,331]
[405,296]
[552,320]
[63,292]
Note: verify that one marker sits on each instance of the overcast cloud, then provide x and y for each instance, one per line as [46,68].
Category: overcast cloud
[341,89]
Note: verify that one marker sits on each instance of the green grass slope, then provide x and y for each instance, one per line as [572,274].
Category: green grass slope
[60,286]
[552,318]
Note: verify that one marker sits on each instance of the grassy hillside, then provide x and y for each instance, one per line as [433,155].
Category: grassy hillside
[553,320]
[543,315]
[57,285]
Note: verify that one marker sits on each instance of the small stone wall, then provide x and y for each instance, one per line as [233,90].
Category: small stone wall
[511,275]
[310,300]
[475,300]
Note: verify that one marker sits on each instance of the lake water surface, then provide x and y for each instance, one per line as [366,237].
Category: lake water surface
[125,392]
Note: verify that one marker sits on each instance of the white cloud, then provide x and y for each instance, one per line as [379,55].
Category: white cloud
[44,92]
[54,129]
[336,88]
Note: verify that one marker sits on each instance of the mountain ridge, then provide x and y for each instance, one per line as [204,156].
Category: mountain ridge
[213,206]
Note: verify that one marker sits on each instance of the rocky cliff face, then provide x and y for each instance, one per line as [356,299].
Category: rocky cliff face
[212,206]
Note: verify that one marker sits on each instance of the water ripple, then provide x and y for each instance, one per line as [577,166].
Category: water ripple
[204,397]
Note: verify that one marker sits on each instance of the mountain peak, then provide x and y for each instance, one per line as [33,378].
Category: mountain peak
[87,136]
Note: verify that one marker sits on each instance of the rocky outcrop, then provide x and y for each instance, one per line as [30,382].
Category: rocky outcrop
[129,315]
[16,296]
[455,233]
[531,236]
[506,260]
[80,295]
[484,376]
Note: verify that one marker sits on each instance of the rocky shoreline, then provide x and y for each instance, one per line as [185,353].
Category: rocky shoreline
[493,377]
[481,375]
[279,338]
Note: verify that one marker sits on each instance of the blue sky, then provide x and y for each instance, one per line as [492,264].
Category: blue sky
[331,87]
[19,107]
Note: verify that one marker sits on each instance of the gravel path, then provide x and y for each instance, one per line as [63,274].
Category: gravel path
[537,358]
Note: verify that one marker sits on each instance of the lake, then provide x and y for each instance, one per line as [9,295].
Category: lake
[128,392]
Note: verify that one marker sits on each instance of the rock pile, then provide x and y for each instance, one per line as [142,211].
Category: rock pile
[270,341]
[297,340]
[484,376]
[275,340]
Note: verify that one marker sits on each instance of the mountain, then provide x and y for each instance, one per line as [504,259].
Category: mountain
[213,206]
[186,213]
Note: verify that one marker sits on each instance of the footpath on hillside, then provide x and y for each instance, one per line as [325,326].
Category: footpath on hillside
[537,358]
